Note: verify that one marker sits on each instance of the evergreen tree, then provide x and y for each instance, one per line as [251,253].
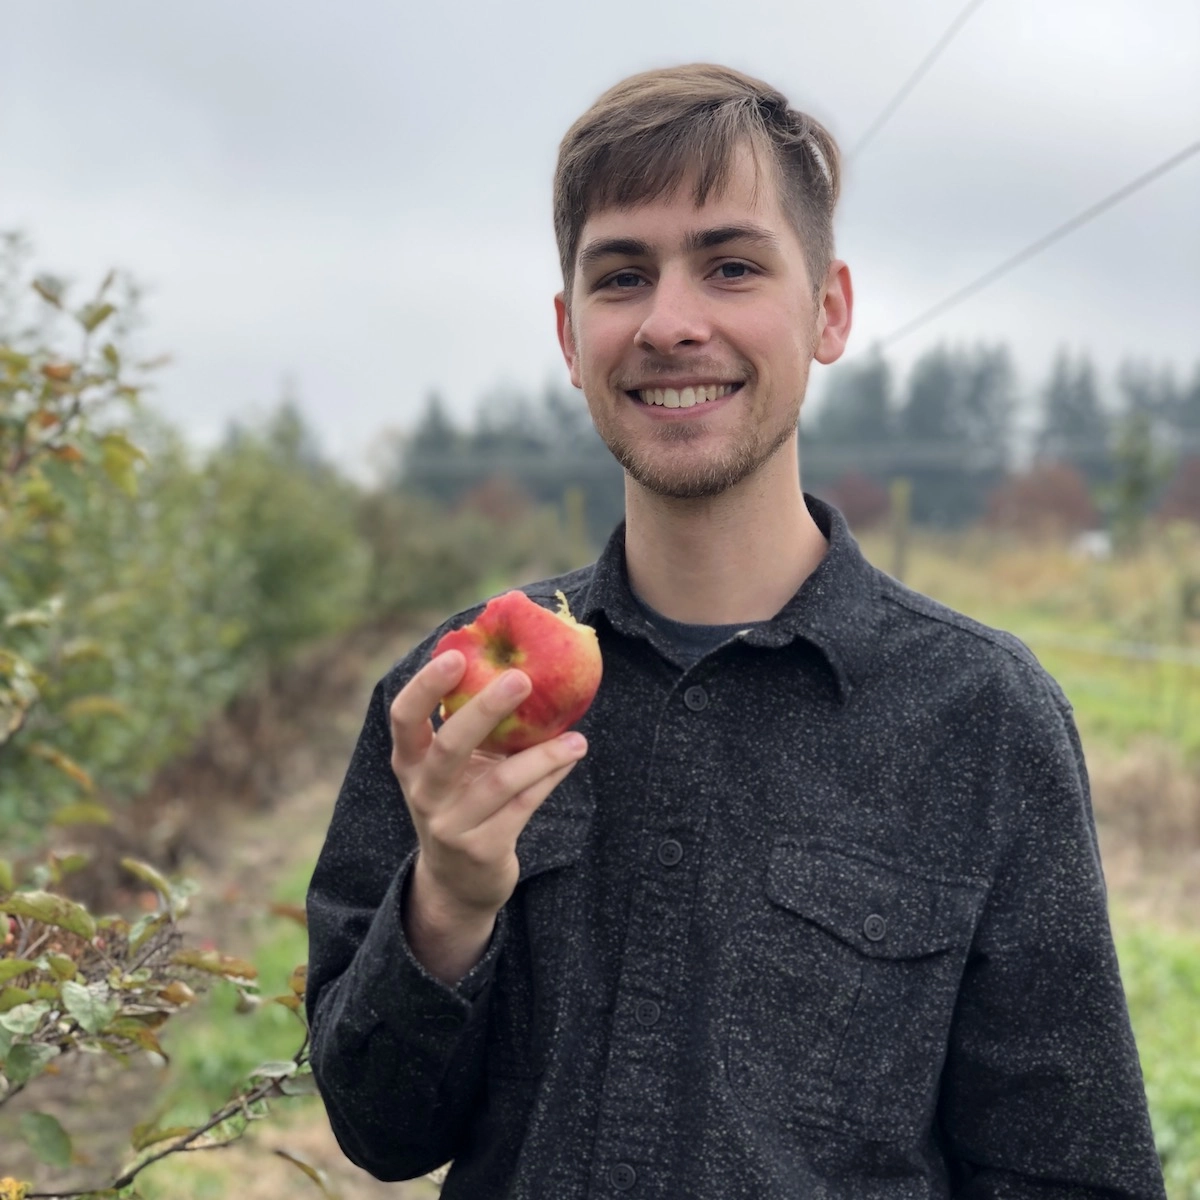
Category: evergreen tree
[953,434]
[853,429]
[1075,427]
[431,461]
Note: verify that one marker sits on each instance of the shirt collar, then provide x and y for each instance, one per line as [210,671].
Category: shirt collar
[836,609]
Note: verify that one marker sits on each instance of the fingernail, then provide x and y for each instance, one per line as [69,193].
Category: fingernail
[450,660]
[512,683]
[574,742]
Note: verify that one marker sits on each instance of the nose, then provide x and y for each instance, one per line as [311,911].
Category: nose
[676,316]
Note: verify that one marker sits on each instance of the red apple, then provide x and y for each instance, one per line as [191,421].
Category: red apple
[560,656]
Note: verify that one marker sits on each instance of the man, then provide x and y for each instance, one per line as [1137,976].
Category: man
[810,905]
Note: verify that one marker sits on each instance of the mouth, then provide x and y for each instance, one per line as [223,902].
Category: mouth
[687,397]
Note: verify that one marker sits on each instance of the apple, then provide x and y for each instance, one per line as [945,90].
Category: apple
[560,656]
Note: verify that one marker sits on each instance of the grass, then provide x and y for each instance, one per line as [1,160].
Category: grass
[1046,596]
[1161,972]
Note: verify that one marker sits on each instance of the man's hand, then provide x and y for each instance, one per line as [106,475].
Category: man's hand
[468,808]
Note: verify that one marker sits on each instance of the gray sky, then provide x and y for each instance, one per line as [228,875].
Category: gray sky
[358,195]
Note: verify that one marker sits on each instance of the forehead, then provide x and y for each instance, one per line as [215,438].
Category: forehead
[749,199]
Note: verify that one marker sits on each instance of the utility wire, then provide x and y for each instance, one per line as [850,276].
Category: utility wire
[1041,244]
[911,82]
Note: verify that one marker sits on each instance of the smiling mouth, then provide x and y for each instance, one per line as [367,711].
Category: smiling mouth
[685,397]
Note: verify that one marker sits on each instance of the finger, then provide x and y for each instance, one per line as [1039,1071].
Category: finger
[462,733]
[412,730]
[513,777]
[505,826]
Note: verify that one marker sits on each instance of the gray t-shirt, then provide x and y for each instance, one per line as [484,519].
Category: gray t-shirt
[688,644]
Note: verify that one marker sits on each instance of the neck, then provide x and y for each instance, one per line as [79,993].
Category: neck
[720,560]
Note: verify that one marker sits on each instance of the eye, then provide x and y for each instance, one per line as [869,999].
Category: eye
[741,270]
[623,280]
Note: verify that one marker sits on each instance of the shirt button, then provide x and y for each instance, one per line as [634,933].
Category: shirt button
[647,1012]
[622,1177]
[670,853]
[875,927]
[696,698]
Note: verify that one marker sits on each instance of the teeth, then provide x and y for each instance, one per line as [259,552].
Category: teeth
[689,397]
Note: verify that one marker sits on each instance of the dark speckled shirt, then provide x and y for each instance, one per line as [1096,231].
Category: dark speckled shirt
[820,917]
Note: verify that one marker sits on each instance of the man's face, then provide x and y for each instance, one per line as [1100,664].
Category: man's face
[691,331]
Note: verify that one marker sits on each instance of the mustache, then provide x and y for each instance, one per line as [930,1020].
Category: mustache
[697,368]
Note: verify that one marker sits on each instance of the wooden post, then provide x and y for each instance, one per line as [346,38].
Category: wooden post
[901,504]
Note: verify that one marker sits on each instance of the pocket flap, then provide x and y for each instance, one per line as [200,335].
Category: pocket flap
[549,843]
[881,909]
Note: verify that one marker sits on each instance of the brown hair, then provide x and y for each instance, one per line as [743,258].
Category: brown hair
[641,138]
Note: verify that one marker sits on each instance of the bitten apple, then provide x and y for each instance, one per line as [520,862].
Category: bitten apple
[560,656]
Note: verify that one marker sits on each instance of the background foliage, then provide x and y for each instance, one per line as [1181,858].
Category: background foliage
[146,588]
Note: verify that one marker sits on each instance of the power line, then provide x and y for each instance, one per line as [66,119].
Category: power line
[1041,244]
[911,82]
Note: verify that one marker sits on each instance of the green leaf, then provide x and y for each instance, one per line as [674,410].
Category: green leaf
[274,1070]
[46,1138]
[299,1085]
[147,1134]
[62,967]
[90,1006]
[81,650]
[138,1032]
[67,765]
[68,864]
[118,456]
[51,910]
[13,997]
[147,874]
[144,928]
[215,964]
[92,316]
[26,1061]
[30,618]
[95,706]
[24,1019]
[311,1170]
[111,356]
[7,882]
[83,813]
[50,289]
[10,968]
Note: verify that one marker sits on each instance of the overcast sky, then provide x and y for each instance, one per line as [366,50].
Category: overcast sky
[357,194]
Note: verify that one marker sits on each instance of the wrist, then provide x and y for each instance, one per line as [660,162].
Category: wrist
[439,909]
[445,937]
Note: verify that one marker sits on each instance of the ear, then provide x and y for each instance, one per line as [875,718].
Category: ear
[566,339]
[835,314]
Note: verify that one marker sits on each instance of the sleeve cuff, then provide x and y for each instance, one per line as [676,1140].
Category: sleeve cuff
[443,1005]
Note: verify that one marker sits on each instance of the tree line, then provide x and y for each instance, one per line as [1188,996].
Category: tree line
[1100,454]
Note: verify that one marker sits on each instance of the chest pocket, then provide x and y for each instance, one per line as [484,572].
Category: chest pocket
[845,986]
[526,1001]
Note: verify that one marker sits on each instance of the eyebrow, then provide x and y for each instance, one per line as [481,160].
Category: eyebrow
[699,239]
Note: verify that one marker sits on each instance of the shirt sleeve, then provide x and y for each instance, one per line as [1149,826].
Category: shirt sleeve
[1042,1092]
[398,1056]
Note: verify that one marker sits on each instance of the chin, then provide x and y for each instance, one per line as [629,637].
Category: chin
[701,481]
